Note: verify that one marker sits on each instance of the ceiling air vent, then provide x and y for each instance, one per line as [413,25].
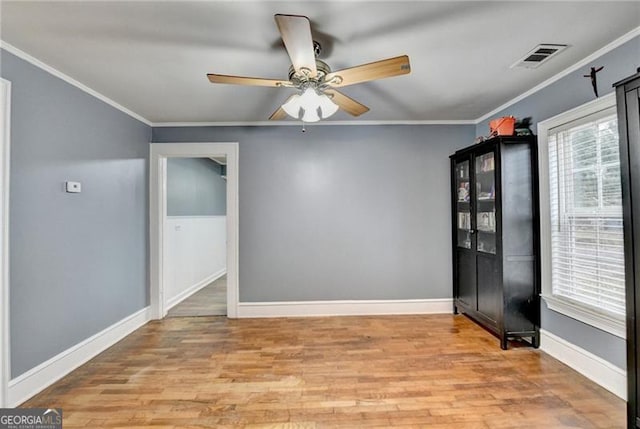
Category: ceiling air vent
[539,55]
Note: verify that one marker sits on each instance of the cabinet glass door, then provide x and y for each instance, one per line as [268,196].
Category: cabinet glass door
[463,205]
[485,203]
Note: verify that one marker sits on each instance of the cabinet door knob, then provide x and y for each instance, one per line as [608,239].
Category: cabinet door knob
[472,231]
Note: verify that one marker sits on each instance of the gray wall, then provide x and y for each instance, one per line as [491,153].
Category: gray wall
[565,94]
[341,212]
[78,261]
[195,187]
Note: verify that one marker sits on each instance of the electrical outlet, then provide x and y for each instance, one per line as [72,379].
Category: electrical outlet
[73,187]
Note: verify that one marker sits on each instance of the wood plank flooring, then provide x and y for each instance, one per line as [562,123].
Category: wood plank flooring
[211,300]
[433,371]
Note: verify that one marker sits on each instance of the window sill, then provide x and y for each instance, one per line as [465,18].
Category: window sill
[611,324]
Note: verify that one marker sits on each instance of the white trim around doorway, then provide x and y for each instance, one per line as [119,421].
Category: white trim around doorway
[5,145]
[157,212]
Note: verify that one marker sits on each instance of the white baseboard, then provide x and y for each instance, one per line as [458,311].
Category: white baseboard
[593,367]
[172,302]
[42,376]
[344,308]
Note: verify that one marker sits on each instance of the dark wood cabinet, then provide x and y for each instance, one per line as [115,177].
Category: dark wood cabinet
[495,236]
[628,103]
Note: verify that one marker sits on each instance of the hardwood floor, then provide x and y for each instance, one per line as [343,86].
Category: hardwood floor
[434,371]
[211,300]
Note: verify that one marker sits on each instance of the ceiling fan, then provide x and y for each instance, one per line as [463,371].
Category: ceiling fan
[317,96]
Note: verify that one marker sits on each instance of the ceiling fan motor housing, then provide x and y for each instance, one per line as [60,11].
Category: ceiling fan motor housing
[322,68]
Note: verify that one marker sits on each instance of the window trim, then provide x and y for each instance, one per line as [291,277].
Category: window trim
[563,305]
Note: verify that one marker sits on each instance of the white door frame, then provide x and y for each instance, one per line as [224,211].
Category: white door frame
[5,145]
[157,213]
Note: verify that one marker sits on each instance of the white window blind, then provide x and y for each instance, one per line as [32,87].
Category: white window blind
[587,248]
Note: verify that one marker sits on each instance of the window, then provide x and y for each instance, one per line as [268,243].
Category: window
[583,242]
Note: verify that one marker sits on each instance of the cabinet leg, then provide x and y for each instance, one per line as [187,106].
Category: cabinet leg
[455,309]
[503,342]
[535,340]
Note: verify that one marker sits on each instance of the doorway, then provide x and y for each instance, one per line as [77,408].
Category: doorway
[195,239]
[164,228]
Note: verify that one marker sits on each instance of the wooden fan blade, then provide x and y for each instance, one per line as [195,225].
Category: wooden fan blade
[295,31]
[241,80]
[280,113]
[372,71]
[347,104]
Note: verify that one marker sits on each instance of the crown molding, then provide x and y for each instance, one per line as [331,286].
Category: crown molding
[600,52]
[57,73]
[299,123]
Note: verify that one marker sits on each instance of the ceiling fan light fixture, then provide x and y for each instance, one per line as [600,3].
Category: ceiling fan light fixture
[314,106]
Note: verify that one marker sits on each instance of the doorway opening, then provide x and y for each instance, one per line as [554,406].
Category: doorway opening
[194,229]
[195,265]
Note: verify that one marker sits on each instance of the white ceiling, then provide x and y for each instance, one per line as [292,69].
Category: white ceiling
[152,57]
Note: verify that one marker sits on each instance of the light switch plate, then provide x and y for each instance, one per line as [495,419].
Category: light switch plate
[73,187]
